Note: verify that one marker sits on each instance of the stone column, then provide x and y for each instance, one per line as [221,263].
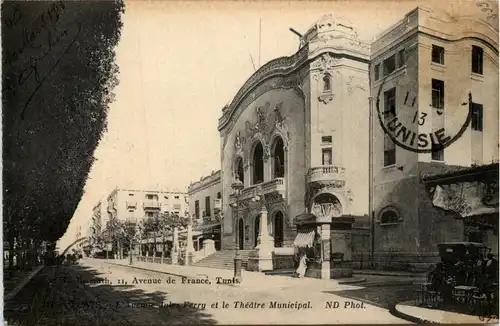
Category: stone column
[174,253]
[325,251]
[189,244]
[265,244]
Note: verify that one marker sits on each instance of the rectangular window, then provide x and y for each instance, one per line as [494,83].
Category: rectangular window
[389,65]
[477,60]
[477,117]
[149,196]
[207,206]
[437,152]
[390,103]
[197,209]
[438,94]
[377,71]
[389,151]
[326,139]
[130,194]
[219,195]
[438,54]
[327,156]
[401,58]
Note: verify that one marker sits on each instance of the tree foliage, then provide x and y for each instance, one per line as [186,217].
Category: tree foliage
[58,74]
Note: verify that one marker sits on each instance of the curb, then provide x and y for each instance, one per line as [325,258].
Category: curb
[355,281]
[381,273]
[147,269]
[23,283]
[395,312]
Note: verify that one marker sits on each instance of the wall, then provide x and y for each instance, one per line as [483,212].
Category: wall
[473,146]
[210,187]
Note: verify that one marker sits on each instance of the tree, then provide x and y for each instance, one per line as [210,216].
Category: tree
[57,87]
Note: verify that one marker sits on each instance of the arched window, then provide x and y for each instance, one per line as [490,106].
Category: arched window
[327,83]
[258,164]
[239,170]
[389,216]
[279,159]
[278,229]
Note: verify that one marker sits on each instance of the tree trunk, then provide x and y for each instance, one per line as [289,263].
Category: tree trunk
[11,251]
[154,246]
[163,249]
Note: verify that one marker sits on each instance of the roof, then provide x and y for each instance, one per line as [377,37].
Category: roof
[437,172]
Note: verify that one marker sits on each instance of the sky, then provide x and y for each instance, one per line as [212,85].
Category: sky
[180,63]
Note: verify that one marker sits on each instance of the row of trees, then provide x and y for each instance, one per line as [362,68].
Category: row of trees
[125,235]
[56,90]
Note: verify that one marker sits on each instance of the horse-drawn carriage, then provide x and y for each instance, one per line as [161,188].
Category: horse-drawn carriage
[466,275]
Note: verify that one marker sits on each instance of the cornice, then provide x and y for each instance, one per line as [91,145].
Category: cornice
[288,72]
[197,187]
[282,66]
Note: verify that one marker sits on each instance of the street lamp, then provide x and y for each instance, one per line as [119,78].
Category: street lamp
[237,186]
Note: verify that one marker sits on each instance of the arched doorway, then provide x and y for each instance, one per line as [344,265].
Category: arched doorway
[241,234]
[258,164]
[279,159]
[256,230]
[239,170]
[278,229]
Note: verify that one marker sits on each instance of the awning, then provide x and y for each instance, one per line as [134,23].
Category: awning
[304,238]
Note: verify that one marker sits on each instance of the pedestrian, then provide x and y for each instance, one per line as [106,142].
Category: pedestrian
[301,270]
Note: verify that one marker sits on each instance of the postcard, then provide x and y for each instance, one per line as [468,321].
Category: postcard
[259,162]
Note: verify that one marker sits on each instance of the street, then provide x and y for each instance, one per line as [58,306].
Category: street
[97,293]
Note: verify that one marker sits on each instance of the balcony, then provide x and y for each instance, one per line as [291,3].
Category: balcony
[271,188]
[326,173]
[131,204]
[151,204]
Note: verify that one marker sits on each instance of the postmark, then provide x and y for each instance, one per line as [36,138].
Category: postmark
[413,127]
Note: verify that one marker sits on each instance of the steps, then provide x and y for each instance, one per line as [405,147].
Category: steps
[224,259]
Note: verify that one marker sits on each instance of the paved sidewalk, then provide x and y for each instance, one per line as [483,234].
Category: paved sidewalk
[408,311]
[252,281]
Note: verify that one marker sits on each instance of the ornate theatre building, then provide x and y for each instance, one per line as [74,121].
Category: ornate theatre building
[306,163]
[295,137]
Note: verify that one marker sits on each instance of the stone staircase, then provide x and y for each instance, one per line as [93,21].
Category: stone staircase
[224,259]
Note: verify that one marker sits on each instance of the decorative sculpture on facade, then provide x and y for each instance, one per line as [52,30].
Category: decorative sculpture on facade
[278,119]
[325,62]
[238,142]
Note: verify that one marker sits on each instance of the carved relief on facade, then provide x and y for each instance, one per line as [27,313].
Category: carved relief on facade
[315,188]
[325,62]
[491,9]
[352,84]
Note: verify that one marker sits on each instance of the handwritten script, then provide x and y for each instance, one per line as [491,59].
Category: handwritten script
[41,48]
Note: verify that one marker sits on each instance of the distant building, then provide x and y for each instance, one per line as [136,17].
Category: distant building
[205,207]
[135,205]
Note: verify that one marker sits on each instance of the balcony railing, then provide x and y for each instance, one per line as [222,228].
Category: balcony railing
[275,185]
[131,204]
[326,173]
[152,204]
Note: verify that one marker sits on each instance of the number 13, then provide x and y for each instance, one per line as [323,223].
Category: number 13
[421,120]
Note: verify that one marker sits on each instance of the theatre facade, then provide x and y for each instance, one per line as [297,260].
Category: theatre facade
[295,137]
[305,162]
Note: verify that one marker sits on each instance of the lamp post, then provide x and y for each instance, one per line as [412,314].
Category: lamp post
[237,186]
